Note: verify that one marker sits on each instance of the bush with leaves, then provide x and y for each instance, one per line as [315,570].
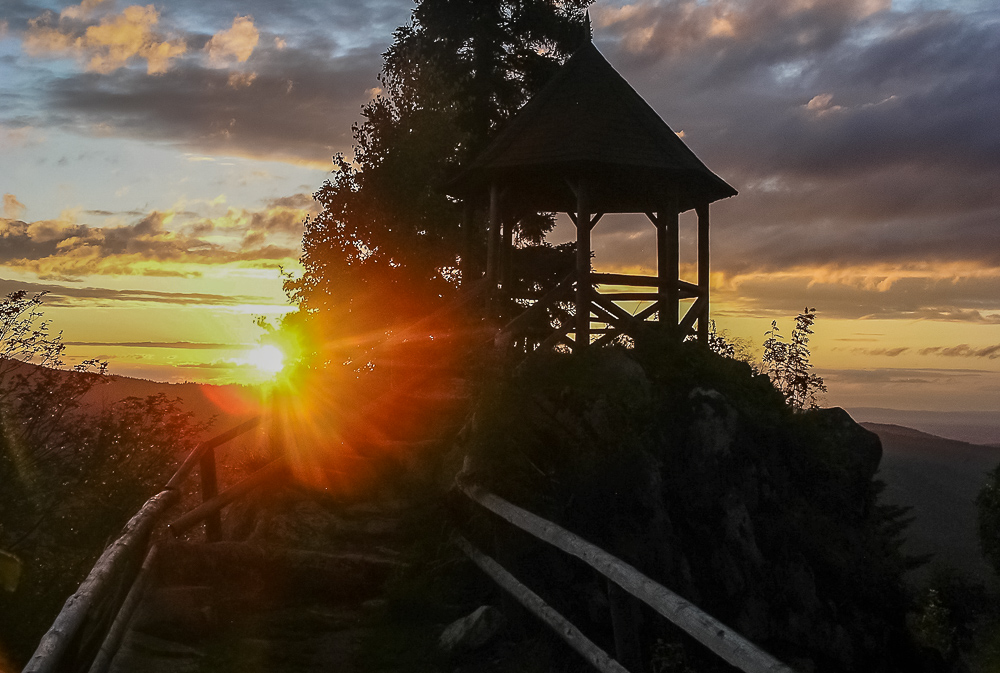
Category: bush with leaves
[71,474]
[787,363]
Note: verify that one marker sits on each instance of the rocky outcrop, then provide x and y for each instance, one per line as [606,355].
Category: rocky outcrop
[694,470]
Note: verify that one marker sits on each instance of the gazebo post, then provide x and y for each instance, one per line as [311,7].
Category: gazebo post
[467,265]
[703,271]
[505,253]
[582,267]
[667,262]
[492,241]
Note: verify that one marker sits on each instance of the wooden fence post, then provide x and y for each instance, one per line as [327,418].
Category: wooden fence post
[625,618]
[210,489]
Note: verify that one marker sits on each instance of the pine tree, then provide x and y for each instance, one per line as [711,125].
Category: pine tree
[387,245]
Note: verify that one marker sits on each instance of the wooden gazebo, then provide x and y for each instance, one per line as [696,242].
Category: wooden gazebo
[587,144]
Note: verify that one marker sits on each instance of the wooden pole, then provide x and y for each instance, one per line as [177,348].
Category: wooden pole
[210,489]
[54,644]
[492,243]
[582,267]
[625,624]
[667,261]
[564,628]
[505,255]
[118,628]
[713,634]
[704,279]
[210,508]
[468,250]
[182,472]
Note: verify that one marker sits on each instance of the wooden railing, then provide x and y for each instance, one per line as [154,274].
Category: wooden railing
[604,310]
[88,629]
[721,640]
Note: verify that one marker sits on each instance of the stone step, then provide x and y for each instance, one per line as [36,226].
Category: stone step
[274,574]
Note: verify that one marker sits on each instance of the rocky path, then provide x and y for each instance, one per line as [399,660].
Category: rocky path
[295,595]
[300,582]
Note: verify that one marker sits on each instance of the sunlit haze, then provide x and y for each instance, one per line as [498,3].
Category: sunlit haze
[155,185]
[268,359]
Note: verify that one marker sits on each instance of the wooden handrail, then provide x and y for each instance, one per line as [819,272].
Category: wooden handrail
[117,631]
[716,636]
[624,279]
[53,645]
[635,280]
[212,507]
[566,630]
[547,299]
[192,458]
[66,628]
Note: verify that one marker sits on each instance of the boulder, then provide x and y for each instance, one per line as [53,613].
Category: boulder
[472,631]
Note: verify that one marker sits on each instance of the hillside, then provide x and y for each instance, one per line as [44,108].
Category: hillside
[940,479]
[228,404]
[976,427]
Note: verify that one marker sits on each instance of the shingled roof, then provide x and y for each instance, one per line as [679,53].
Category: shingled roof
[588,122]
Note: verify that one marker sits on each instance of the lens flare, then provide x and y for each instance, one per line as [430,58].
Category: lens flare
[268,359]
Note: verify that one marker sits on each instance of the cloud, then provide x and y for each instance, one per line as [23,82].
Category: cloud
[964,351]
[297,105]
[240,80]
[107,45]
[84,10]
[857,294]
[183,345]
[62,295]
[887,352]
[233,45]
[652,29]
[159,243]
[12,208]
[901,375]
[856,136]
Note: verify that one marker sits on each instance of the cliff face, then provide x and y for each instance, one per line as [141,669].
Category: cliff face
[693,469]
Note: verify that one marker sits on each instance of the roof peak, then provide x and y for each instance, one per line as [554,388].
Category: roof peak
[589,120]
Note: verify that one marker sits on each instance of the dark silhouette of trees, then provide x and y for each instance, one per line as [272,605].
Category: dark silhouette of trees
[988,504]
[388,244]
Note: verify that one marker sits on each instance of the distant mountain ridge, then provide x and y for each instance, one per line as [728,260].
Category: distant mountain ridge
[227,404]
[940,479]
[976,427]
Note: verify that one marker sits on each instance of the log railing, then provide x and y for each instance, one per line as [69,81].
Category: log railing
[87,631]
[721,640]
[604,309]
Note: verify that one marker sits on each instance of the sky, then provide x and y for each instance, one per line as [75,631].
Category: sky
[157,162]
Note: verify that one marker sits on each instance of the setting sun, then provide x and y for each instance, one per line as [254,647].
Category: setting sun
[267,359]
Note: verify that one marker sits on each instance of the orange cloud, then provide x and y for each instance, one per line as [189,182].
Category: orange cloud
[84,10]
[107,45]
[654,26]
[157,244]
[240,80]
[234,45]
[12,208]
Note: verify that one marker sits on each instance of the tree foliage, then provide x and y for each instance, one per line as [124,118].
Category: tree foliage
[787,363]
[388,242]
[988,504]
[732,347]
